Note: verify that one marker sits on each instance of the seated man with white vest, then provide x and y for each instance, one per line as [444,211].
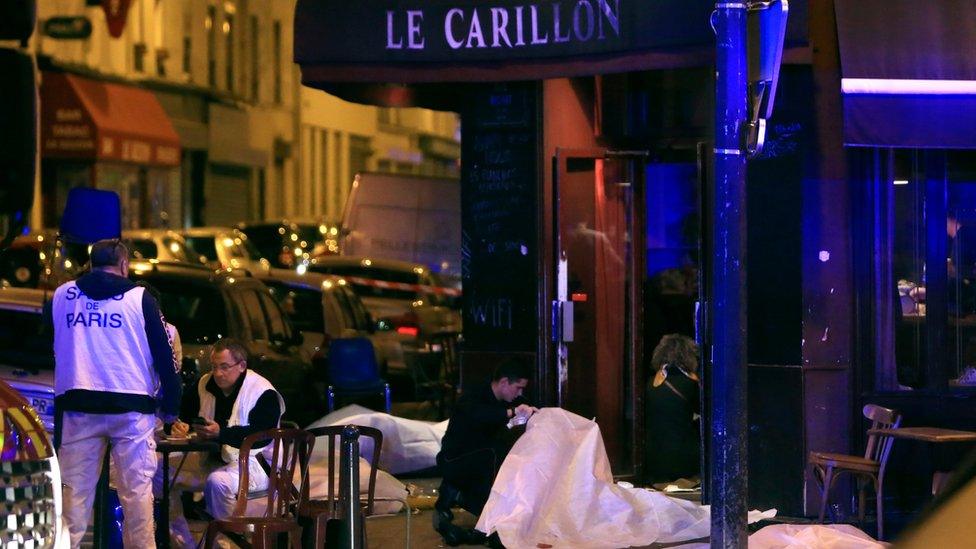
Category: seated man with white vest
[233,403]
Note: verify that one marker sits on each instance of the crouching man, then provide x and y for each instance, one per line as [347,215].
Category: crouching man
[475,445]
[230,403]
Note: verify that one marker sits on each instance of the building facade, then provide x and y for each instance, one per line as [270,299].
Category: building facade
[248,141]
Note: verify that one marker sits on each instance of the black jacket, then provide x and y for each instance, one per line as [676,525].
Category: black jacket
[479,421]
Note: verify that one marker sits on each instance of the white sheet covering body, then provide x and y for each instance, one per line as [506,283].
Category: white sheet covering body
[556,488]
[817,536]
[408,444]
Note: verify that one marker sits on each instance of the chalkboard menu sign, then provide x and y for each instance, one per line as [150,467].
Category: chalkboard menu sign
[499,201]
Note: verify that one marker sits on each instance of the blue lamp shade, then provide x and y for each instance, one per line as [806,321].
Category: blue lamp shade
[91,215]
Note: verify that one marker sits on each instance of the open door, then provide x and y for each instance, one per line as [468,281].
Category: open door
[598,251]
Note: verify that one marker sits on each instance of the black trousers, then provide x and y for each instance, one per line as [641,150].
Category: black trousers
[472,474]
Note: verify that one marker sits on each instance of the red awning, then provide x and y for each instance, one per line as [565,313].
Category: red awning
[95,120]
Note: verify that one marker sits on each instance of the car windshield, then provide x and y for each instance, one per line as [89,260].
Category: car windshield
[196,310]
[251,250]
[266,239]
[203,245]
[24,341]
[302,305]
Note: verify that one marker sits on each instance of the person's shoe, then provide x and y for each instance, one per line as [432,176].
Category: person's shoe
[494,541]
[474,537]
[453,535]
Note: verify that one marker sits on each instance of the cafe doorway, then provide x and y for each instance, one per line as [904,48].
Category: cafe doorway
[627,251]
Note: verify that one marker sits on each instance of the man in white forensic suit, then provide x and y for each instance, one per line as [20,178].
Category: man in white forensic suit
[113,370]
[230,403]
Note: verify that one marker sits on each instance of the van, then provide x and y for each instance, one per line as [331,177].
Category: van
[408,218]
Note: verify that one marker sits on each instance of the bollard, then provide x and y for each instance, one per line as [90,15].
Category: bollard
[349,508]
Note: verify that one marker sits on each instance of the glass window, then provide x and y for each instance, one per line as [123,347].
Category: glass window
[925,218]
[229,30]
[279,329]
[303,306]
[203,245]
[254,314]
[210,23]
[197,310]
[359,312]
[249,250]
[142,249]
[176,249]
[24,342]
[342,298]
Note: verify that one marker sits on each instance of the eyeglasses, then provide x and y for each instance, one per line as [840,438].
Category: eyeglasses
[227,367]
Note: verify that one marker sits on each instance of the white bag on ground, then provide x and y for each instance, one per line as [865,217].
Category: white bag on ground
[556,488]
[408,444]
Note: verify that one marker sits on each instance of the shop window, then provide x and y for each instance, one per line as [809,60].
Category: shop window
[922,238]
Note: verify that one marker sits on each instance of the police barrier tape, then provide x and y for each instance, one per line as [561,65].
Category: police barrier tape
[440,290]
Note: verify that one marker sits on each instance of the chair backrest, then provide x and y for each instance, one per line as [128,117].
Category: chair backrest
[290,449]
[879,446]
[352,363]
[448,343]
[334,435]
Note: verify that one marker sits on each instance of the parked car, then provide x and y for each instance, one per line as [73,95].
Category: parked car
[225,248]
[161,244]
[205,306]
[324,308]
[22,263]
[289,244]
[399,292]
[27,349]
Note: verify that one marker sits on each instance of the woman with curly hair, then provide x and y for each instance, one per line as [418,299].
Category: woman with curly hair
[671,408]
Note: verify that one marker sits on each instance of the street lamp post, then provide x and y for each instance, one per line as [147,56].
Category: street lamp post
[729,461]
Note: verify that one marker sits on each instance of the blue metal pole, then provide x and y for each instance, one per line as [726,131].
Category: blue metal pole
[729,461]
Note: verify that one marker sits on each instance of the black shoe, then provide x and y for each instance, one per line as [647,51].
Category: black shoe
[453,535]
[474,537]
[494,542]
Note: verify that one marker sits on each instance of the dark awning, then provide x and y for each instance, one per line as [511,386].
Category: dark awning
[411,41]
[908,72]
[92,119]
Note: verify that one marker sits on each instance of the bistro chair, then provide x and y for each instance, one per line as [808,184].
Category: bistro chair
[353,371]
[870,468]
[319,512]
[289,450]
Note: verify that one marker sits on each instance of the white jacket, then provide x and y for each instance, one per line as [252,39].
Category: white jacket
[251,390]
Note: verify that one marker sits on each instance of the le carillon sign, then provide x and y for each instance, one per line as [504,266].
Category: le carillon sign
[441,40]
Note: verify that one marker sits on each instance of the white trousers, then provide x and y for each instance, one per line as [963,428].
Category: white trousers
[81,454]
[218,482]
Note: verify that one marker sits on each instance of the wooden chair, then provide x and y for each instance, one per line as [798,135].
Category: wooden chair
[290,450]
[320,511]
[828,466]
